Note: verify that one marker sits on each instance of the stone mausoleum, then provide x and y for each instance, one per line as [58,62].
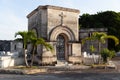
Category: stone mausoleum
[59,27]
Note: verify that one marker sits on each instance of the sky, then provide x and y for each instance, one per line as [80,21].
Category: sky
[13,12]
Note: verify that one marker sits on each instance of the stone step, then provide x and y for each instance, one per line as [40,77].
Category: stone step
[62,63]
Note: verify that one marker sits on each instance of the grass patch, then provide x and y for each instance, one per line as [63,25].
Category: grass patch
[100,66]
[24,67]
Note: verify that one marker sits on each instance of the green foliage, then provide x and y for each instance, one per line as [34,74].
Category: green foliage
[92,48]
[107,19]
[38,41]
[30,37]
[101,37]
[25,38]
[106,53]
[112,53]
[26,68]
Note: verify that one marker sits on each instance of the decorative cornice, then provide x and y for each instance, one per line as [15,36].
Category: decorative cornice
[52,7]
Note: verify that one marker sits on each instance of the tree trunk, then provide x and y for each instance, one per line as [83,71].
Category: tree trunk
[25,59]
[99,48]
[32,57]
[40,57]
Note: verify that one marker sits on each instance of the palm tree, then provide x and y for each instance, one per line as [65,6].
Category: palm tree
[36,41]
[25,38]
[101,37]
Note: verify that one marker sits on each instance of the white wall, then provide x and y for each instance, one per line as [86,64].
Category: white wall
[8,61]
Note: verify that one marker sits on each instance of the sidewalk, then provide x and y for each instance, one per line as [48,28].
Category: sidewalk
[52,69]
[60,69]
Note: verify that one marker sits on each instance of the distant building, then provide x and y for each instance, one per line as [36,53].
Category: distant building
[10,53]
[5,45]
[87,32]
[10,46]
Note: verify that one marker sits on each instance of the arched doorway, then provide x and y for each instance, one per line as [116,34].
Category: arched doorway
[61,47]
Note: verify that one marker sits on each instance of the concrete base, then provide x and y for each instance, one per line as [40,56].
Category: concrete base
[8,61]
[62,63]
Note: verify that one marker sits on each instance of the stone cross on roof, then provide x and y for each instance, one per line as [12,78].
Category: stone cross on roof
[62,16]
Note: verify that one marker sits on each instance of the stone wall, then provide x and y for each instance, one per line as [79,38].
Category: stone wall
[76,49]
[8,61]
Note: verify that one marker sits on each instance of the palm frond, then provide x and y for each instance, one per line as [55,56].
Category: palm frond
[113,38]
[85,39]
[21,33]
[48,47]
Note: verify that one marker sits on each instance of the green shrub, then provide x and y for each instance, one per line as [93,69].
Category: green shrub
[107,54]
[112,54]
[92,48]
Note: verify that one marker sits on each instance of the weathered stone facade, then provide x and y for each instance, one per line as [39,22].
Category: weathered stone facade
[59,27]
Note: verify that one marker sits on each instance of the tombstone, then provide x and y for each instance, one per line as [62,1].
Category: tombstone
[84,54]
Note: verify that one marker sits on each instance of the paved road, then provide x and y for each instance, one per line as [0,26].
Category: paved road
[63,76]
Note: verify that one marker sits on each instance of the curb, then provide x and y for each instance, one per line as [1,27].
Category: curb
[19,71]
[11,71]
[46,69]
